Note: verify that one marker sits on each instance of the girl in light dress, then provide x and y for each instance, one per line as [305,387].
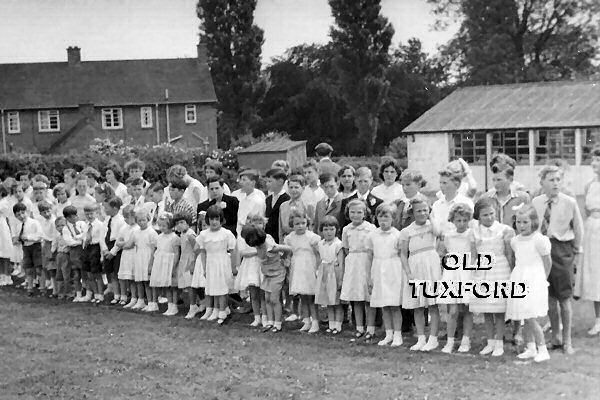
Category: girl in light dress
[6,246]
[216,245]
[386,274]
[357,265]
[390,189]
[249,276]
[494,238]
[125,242]
[145,245]
[272,269]
[421,262]
[458,241]
[164,266]
[330,274]
[187,260]
[587,278]
[303,269]
[532,266]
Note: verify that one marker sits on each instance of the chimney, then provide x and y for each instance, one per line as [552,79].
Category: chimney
[202,52]
[74,55]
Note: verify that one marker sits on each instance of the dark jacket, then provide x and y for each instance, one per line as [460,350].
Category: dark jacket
[321,211]
[272,214]
[230,211]
[372,203]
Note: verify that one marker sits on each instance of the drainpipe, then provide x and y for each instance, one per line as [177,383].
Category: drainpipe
[157,125]
[167,111]
[3,132]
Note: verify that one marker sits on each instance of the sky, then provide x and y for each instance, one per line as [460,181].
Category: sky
[41,30]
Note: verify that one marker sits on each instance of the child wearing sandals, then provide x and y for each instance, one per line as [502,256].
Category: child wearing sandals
[330,273]
[272,269]
[126,245]
[421,262]
[163,278]
[249,276]
[357,266]
[386,274]
[458,241]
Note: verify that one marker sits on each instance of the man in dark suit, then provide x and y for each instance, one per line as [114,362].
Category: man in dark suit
[364,180]
[331,204]
[276,178]
[228,204]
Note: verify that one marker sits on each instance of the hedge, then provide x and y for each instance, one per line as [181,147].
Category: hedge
[157,159]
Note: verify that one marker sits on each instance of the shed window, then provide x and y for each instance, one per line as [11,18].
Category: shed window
[555,143]
[470,146]
[14,124]
[48,121]
[590,139]
[512,143]
[190,114]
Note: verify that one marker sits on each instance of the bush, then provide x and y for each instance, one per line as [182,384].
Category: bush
[157,158]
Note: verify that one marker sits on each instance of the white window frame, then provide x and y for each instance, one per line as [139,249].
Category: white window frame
[190,107]
[146,117]
[111,113]
[13,122]
[45,121]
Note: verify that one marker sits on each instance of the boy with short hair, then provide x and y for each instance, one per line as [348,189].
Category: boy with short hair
[251,200]
[112,254]
[93,246]
[24,178]
[155,194]
[135,169]
[276,179]
[46,220]
[72,235]
[63,265]
[331,204]
[30,237]
[313,193]
[295,190]
[82,198]
[178,204]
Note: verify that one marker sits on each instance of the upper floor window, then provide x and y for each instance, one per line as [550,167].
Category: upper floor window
[146,117]
[48,121]
[190,114]
[14,124]
[112,118]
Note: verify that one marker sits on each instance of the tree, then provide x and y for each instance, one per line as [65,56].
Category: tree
[506,41]
[361,38]
[234,47]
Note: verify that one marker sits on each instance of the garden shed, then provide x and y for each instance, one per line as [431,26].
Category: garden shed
[261,155]
[531,122]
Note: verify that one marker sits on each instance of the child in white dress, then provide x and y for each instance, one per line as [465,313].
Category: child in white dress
[357,267]
[216,245]
[492,237]
[303,268]
[125,242]
[330,274]
[145,244]
[187,260]
[532,266]
[460,242]
[248,276]
[386,273]
[421,262]
[164,266]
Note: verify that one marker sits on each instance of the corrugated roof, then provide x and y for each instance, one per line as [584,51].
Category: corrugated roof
[529,105]
[104,83]
[275,145]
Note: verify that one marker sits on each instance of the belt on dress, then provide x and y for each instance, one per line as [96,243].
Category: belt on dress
[422,250]
[358,251]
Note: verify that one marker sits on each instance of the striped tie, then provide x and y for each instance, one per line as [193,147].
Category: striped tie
[546,221]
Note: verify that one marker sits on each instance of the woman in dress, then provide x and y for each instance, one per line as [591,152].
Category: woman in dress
[390,189]
[347,174]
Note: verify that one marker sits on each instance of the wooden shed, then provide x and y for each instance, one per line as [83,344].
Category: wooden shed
[261,155]
[531,122]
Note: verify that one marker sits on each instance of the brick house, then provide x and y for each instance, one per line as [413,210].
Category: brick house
[58,107]
[531,122]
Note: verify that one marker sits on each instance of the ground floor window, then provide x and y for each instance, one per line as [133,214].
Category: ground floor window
[590,138]
[470,146]
[512,143]
[553,144]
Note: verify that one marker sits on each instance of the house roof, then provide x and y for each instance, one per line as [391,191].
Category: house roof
[104,83]
[528,105]
[274,146]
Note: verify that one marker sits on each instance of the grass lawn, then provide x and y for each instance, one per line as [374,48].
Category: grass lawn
[53,349]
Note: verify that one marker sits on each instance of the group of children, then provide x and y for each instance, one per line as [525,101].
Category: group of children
[308,243]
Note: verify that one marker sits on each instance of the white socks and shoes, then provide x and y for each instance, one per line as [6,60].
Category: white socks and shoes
[397,339]
[489,348]
[421,342]
[151,307]
[139,305]
[131,303]
[449,347]
[194,309]
[542,354]
[389,337]
[431,344]
[172,310]
[595,329]
[256,322]
[498,349]
[306,327]
[314,327]
[214,315]
[530,352]
[292,318]
[465,345]
[207,314]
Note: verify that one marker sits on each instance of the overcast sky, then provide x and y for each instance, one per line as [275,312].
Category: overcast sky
[41,30]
